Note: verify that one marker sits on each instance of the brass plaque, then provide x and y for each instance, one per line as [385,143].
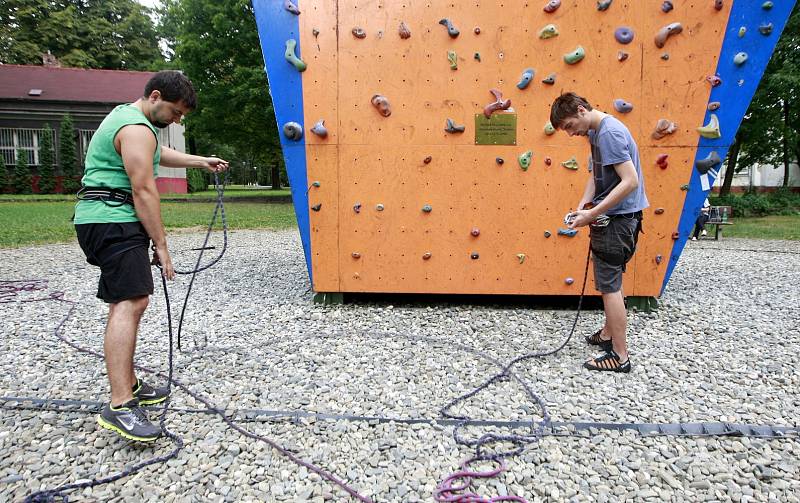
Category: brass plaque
[498,129]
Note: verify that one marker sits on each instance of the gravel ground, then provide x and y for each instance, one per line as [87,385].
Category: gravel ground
[722,347]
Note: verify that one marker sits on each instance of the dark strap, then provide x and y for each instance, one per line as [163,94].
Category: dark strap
[111,197]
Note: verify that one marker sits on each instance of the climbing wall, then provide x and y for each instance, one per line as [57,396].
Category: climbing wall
[391,195]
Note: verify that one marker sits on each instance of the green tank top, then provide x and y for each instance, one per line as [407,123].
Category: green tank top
[104,167]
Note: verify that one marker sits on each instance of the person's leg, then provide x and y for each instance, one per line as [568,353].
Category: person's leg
[616,325]
[120,345]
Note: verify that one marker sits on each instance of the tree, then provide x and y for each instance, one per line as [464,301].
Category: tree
[216,44]
[22,173]
[112,34]
[69,161]
[47,178]
[3,175]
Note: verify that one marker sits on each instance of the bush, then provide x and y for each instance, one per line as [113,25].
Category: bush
[69,159]
[22,174]
[47,178]
[4,178]
[196,180]
[752,204]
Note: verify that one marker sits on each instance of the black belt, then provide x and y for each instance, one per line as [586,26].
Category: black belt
[635,214]
[111,197]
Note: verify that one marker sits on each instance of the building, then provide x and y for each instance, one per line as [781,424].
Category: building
[760,177]
[32,96]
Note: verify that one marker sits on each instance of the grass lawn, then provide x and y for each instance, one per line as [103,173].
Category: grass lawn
[773,227]
[29,223]
[231,192]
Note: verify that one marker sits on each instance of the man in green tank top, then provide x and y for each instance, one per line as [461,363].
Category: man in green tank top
[117,216]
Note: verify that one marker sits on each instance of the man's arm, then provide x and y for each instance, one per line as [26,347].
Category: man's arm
[171,158]
[588,193]
[628,183]
[136,145]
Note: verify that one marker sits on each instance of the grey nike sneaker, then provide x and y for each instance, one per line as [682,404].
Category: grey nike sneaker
[147,394]
[129,421]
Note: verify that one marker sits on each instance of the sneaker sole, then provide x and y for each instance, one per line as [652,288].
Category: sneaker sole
[105,424]
[152,401]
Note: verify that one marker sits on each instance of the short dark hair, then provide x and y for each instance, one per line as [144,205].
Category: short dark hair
[566,106]
[173,86]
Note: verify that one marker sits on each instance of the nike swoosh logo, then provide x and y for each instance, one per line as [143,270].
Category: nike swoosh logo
[126,424]
[152,393]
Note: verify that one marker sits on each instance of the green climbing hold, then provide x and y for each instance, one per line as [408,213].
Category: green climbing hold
[453,59]
[767,5]
[574,56]
[571,163]
[742,31]
[710,130]
[548,31]
[549,129]
[298,63]
[525,160]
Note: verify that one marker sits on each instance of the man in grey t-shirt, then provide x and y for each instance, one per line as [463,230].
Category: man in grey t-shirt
[615,190]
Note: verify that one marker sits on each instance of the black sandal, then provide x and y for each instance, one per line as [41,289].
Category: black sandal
[610,362]
[595,340]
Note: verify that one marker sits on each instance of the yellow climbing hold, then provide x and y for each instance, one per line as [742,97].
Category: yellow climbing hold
[710,130]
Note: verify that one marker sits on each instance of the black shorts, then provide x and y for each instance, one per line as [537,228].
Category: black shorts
[612,247]
[121,253]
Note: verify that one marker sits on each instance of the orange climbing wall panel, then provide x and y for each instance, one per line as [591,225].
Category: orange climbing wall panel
[372,160]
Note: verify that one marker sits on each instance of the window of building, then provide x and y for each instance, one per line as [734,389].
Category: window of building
[84,137]
[27,140]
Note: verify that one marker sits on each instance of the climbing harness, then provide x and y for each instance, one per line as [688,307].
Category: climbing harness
[111,197]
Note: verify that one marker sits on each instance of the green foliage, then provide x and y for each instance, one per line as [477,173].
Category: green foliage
[68,158]
[4,179]
[216,44]
[196,180]
[22,173]
[752,204]
[112,34]
[47,176]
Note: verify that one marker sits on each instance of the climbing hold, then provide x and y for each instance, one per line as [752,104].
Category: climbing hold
[547,234]
[293,131]
[475,232]
[497,104]
[427,160]
[426,256]
[666,32]
[548,161]
[315,32]
[740,58]
[567,232]
[718,4]
[356,275]
[356,255]
[663,128]
[451,30]
[622,106]
[550,79]
[316,184]
[767,5]
[477,56]
[453,128]
[666,6]
[379,207]
[714,80]
[404,31]
[704,165]
[474,256]
[659,258]
[477,30]
[574,56]
[676,235]
[291,7]
[623,35]
[380,102]
[665,56]
[710,130]
[521,257]
[499,160]
[714,105]
[571,163]
[552,6]
[526,78]
[765,29]
[569,281]
[452,58]
[661,161]
[742,31]
[603,4]
[427,208]
[525,160]
[622,56]
[357,207]
[659,211]
[549,31]
[549,129]
[319,129]
[290,56]
[359,32]
[740,82]
[685,187]
[317,207]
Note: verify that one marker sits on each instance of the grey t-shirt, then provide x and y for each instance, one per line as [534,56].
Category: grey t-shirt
[612,144]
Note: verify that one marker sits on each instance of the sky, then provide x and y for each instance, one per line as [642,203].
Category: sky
[150,3]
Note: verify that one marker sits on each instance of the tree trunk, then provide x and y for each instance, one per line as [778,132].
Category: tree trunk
[785,143]
[733,157]
[276,177]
